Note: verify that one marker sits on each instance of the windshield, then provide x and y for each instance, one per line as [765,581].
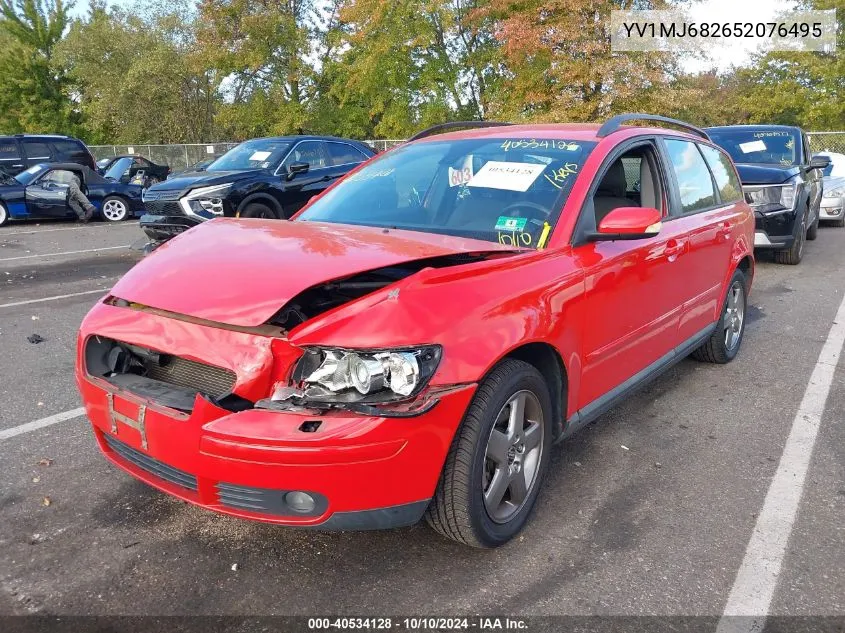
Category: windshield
[768,147]
[500,190]
[28,176]
[257,154]
[118,169]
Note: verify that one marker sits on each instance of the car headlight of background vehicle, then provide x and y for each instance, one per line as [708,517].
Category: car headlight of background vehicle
[771,199]
[836,192]
[346,376]
[206,202]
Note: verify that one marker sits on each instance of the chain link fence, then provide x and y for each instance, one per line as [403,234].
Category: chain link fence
[183,155]
[827,142]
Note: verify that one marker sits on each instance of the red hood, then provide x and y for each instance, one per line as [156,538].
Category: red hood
[241,272]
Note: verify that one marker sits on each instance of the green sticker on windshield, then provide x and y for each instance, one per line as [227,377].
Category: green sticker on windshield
[505,223]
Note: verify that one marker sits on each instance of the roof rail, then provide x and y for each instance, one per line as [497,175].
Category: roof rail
[614,123]
[454,125]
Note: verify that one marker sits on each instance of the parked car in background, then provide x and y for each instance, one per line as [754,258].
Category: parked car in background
[132,167]
[40,192]
[415,340]
[782,183]
[269,178]
[833,197]
[22,151]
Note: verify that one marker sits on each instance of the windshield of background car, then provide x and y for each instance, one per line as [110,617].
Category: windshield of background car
[28,176]
[258,154]
[506,190]
[767,147]
[118,169]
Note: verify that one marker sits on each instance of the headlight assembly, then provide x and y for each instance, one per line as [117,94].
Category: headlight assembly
[837,192]
[347,376]
[206,202]
[771,199]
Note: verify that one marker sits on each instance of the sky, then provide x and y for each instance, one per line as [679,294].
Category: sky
[700,11]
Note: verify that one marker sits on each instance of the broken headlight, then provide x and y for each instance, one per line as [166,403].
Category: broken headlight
[347,376]
[771,199]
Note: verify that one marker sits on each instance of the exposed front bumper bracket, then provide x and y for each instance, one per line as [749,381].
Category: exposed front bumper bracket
[116,416]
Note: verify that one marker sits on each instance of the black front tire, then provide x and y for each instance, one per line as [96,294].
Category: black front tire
[813,231]
[716,349]
[259,210]
[793,255]
[457,510]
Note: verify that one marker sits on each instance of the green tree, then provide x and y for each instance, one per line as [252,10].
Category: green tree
[33,94]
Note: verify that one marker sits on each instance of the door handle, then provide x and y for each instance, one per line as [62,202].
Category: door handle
[674,249]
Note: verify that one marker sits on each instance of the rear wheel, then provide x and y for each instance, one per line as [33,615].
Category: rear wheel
[115,209]
[259,210]
[497,460]
[723,345]
[795,253]
[4,214]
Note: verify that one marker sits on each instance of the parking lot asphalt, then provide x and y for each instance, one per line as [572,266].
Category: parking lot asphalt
[647,511]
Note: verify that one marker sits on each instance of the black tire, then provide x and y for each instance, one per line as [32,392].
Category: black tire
[458,510]
[813,231]
[840,222]
[259,210]
[795,253]
[716,349]
[4,215]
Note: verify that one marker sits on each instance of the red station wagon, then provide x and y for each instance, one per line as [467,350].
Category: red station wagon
[414,341]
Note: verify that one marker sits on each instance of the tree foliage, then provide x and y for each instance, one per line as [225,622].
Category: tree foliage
[203,70]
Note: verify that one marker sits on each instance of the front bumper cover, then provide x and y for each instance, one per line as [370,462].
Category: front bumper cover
[365,472]
[160,228]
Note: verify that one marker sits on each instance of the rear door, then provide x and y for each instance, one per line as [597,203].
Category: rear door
[696,207]
[11,158]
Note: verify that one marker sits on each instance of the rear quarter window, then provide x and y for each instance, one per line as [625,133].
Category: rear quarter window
[730,189]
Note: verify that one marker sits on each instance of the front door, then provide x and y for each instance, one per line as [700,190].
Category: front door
[303,186]
[634,288]
[47,197]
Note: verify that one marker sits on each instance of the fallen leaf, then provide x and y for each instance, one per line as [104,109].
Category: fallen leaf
[46,501]
[624,448]
[45,461]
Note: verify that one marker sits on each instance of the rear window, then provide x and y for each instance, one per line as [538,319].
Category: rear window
[69,147]
[36,150]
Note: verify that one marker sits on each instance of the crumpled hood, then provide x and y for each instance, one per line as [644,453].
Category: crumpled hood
[758,174]
[241,272]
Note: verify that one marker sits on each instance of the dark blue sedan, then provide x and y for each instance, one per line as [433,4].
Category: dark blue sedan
[40,192]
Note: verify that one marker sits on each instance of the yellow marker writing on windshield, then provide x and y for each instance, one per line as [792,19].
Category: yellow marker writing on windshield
[541,243]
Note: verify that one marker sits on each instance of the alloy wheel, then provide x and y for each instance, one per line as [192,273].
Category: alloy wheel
[512,458]
[114,210]
[734,317]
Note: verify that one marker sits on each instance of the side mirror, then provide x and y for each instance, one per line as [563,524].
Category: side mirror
[628,223]
[297,168]
[819,162]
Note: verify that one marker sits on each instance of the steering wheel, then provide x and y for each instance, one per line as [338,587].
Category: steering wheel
[541,215]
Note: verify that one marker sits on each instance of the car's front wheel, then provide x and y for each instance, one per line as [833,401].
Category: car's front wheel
[795,253]
[4,214]
[115,209]
[497,460]
[813,230]
[258,210]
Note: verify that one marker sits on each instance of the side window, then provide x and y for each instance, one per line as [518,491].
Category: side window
[344,154]
[694,182]
[310,152]
[36,150]
[632,180]
[9,150]
[730,189]
[60,177]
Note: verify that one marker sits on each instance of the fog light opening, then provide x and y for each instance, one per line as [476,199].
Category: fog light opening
[300,501]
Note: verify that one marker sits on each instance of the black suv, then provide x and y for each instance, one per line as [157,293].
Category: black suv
[782,183]
[261,178]
[22,151]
